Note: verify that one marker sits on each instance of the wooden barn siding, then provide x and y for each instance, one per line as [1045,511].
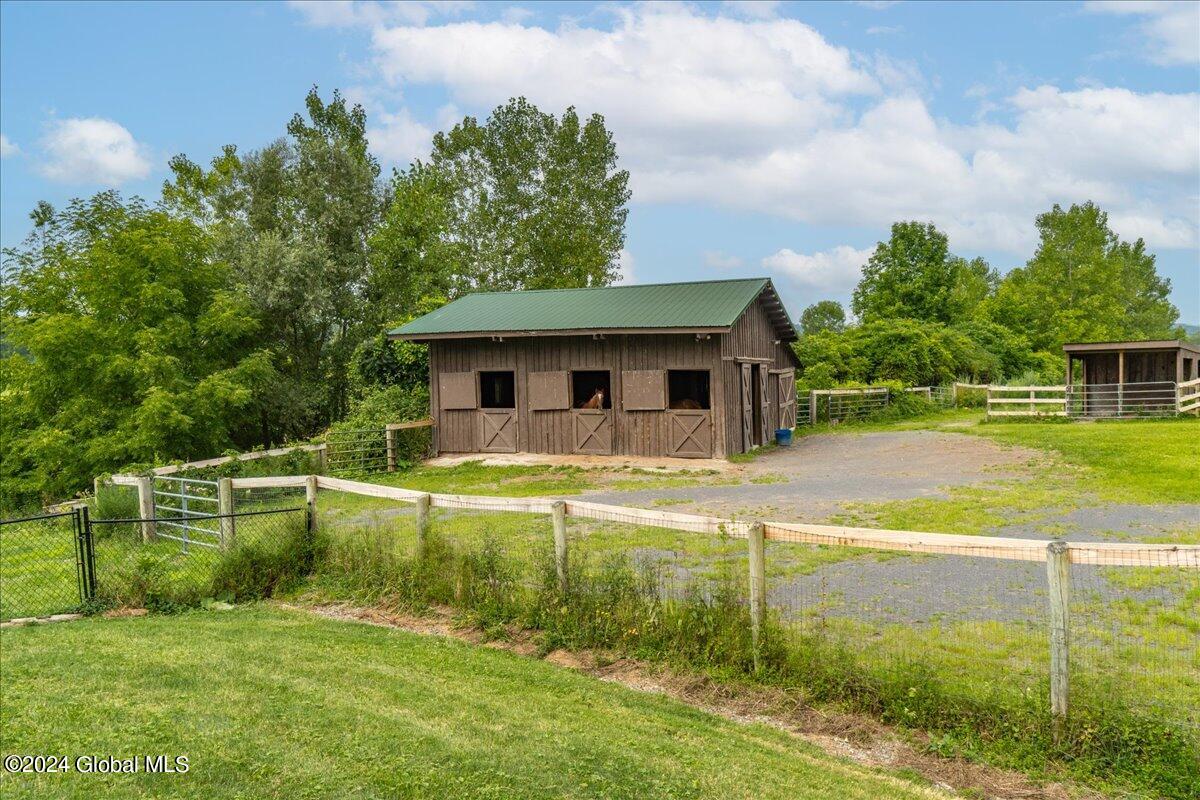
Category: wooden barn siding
[552,431]
[458,430]
[644,433]
[634,433]
[753,336]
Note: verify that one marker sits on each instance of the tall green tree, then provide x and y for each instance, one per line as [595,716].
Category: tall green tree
[127,345]
[294,221]
[914,275]
[531,201]
[1085,284]
[825,315]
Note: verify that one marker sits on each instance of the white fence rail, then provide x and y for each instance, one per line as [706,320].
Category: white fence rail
[1097,401]
[1057,554]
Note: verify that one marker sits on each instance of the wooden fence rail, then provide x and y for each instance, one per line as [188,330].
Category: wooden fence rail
[1058,555]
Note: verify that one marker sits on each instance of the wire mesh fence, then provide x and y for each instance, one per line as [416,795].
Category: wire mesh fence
[837,405]
[944,630]
[42,565]
[931,631]
[1135,634]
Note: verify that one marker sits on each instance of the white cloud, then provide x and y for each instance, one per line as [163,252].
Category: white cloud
[831,272]
[398,138]
[92,150]
[884,30]
[625,268]
[8,147]
[768,116]
[1171,30]
[717,260]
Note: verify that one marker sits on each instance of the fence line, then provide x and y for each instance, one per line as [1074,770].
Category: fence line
[1058,555]
[1096,553]
[1096,400]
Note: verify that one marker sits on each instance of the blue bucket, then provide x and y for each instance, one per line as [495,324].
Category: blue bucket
[783,437]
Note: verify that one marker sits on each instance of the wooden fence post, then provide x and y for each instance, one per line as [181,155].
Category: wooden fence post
[225,509]
[145,487]
[389,435]
[758,588]
[310,500]
[812,407]
[1058,572]
[322,458]
[558,515]
[422,523]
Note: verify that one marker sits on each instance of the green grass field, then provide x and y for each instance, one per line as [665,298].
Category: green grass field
[268,703]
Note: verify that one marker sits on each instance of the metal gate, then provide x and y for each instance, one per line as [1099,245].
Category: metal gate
[48,563]
[188,507]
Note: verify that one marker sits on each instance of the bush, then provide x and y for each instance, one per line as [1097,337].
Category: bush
[265,567]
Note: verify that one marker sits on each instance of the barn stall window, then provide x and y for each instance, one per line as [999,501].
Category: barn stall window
[497,390]
[688,388]
[586,385]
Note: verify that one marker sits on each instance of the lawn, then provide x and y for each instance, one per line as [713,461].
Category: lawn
[270,703]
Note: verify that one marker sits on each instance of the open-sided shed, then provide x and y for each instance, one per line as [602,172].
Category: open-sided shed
[693,370]
[1128,378]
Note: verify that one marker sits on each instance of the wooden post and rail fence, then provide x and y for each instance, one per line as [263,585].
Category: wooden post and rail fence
[1057,555]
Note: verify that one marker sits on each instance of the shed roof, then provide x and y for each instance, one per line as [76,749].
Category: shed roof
[700,306]
[1112,347]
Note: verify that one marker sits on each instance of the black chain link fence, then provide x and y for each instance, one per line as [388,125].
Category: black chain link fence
[43,565]
[62,563]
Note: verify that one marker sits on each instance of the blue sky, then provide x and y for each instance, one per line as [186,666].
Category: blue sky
[761,138]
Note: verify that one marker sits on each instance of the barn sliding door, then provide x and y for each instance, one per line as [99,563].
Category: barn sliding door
[787,399]
[747,410]
[764,399]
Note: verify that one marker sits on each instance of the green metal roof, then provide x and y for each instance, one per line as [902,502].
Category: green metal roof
[701,305]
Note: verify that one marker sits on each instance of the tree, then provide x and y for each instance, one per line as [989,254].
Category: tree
[414,254]
[913,275]
[1084,284]
[293,220]
[531,201]
[826,315]
[127,346]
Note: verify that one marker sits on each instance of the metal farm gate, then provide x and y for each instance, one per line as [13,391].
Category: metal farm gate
[187,507]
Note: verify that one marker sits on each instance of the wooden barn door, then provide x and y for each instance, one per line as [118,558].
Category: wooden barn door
[592,431]
[787,399]
[498,430]
[747,410]
[689,433]
[764,399]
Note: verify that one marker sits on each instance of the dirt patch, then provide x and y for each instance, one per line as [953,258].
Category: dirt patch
[816,477]
[852,736]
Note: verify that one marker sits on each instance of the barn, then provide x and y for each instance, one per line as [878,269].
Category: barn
[689,370]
